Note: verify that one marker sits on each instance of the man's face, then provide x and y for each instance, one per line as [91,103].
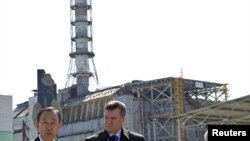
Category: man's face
[113,120]
[48,126]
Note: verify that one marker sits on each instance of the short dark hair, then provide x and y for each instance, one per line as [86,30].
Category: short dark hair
[113,104]
[49,109]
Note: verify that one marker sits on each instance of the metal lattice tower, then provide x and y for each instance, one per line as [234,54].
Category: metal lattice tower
[79,71]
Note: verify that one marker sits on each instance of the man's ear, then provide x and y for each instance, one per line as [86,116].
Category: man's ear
[60,124]
[37,126]
[124,118]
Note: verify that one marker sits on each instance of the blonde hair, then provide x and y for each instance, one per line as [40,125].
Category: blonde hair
[115,104]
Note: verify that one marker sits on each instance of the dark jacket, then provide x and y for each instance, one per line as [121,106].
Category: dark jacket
[37,139]
[126,135]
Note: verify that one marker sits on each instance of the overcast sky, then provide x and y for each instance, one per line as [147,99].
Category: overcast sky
[132,40]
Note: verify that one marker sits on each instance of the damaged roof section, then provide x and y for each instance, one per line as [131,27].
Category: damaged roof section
[21,110]
[95,95]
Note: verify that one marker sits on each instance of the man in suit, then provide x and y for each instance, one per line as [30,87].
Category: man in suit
[114,117]
[48,123]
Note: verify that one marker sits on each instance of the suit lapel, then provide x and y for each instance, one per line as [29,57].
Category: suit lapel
[103,135]
[124,135]
[37,139]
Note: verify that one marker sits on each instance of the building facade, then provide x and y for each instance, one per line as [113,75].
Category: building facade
[6,120]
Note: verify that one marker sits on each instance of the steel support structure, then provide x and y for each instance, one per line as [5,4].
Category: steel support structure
[162,99]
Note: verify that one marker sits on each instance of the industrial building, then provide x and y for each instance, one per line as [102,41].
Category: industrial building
[165,109]
[159,109]
[6,120]
[152,108]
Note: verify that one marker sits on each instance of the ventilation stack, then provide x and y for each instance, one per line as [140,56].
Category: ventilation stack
[81,47]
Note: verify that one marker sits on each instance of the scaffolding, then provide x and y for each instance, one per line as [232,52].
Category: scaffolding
[163,99]
[178,99]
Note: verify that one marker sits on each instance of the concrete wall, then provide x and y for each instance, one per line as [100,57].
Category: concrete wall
[6,120]
[133,116]
[80,130]
[18,123]
[6,136]
[32,130]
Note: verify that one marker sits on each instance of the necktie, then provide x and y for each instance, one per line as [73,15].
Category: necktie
[115,138]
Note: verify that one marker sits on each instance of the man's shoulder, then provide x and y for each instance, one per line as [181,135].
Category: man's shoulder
[95,136]
[135,136]
[92,137]
[37,139]
[131,133]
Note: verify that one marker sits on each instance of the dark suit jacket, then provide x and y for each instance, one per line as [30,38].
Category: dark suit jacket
[126,135]
[37,139]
